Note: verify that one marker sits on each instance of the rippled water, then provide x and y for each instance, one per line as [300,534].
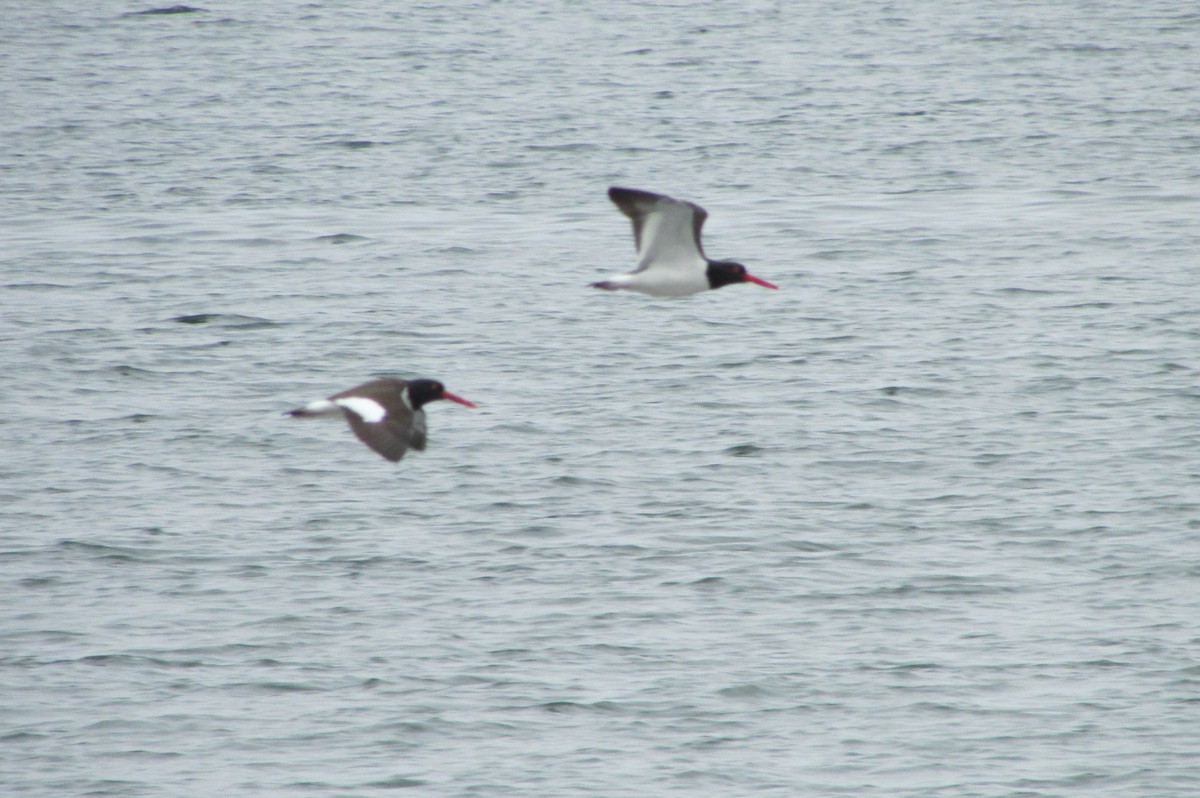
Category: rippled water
[922,523]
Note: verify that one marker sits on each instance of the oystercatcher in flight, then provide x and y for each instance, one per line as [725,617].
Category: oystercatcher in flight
[671,260]
[385,414]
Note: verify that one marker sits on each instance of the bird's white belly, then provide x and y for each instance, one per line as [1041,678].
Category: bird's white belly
[666,284]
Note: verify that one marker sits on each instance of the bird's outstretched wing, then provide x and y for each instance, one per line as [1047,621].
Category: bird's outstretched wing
[666,231]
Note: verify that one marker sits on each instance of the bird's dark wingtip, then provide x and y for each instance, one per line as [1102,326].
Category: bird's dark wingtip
[620,193]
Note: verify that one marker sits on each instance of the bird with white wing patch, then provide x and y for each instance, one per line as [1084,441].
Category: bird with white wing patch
[386,414]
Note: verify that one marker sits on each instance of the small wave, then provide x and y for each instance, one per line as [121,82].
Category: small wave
[396,783]
[340,238]
[575,146]
[35,286]
[132,371]
[101,550]
[277,687]
[1018,291]
[150,12]
[232,321]
[574,706]
[138,660]
[894,390]
[744,691]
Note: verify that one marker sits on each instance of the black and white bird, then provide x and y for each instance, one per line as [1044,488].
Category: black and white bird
[671,260]
[385,414]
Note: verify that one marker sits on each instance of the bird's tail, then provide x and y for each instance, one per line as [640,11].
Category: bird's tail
[321,407]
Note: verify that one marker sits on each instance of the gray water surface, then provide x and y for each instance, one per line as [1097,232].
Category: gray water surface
[924,522]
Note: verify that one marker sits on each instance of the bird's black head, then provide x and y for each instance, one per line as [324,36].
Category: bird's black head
[422,391]
[725,272]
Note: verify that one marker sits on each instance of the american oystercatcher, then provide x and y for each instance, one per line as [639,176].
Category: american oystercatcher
[385,414]
[671,260]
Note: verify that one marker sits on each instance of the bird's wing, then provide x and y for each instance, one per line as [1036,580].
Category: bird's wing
[381,419]
[665,230]
[389,437]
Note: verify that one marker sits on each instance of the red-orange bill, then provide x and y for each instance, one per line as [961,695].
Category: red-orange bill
[459,399]
[750,278]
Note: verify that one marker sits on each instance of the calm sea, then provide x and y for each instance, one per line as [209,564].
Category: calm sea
[925,523]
